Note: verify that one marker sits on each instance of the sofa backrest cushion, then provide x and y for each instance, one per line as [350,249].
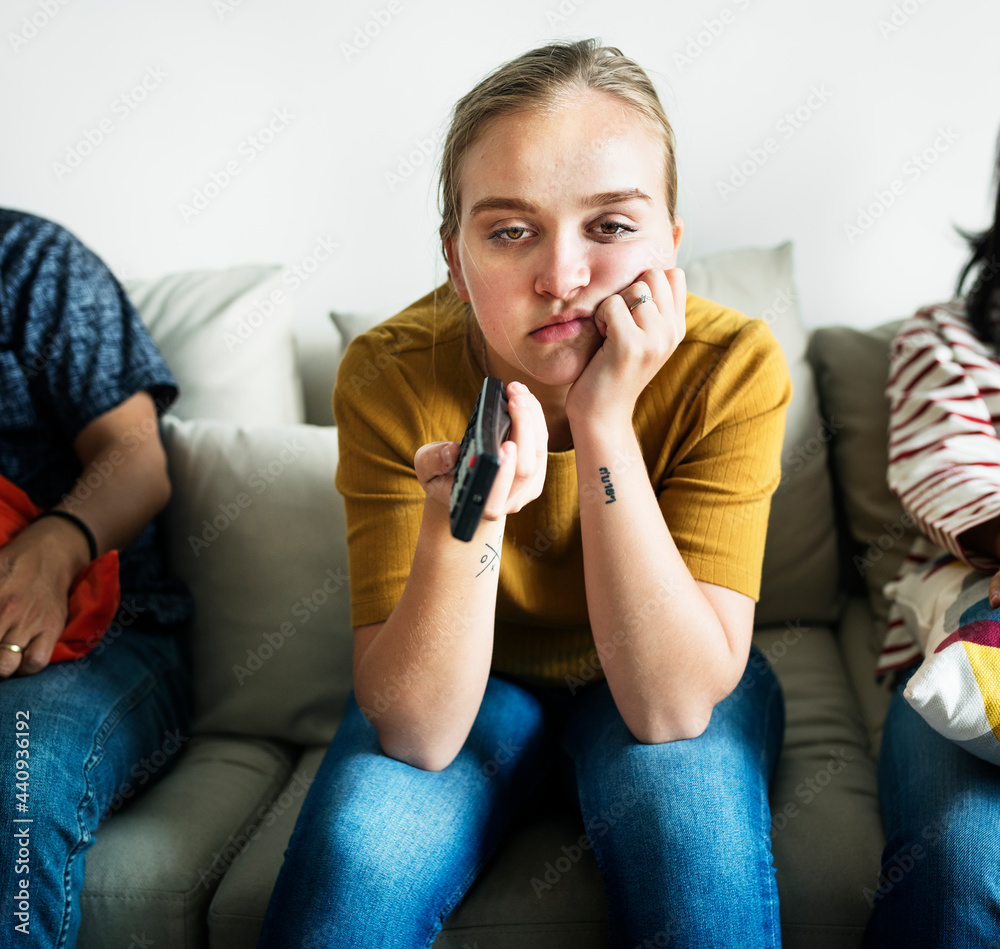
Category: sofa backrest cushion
[799,581]
[227,337]
[256,529]
[851,368]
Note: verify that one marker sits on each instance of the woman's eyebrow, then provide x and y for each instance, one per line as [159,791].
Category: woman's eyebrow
[498,203]
[615,197]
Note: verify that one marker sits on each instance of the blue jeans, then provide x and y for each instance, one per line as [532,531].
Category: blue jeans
[940,879]
[382,851]
[88,735]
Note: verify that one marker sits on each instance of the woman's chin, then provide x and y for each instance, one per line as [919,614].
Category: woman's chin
[560,374]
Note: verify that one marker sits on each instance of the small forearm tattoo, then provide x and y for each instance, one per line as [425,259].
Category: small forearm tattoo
[491,559]
[609,488]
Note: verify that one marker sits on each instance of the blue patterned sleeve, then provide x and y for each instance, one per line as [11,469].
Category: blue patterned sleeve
[82,333]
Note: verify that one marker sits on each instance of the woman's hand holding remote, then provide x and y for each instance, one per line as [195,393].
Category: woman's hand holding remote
[522,460]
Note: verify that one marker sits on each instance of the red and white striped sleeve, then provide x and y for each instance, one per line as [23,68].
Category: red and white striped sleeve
[944,452]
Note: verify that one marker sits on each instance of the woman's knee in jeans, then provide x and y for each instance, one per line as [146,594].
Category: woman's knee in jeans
[952,855]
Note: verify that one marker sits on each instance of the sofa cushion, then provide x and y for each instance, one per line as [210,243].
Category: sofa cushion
[851,367]
[799,579]
[227,337]
[156,863]
[256,529]
[859,629]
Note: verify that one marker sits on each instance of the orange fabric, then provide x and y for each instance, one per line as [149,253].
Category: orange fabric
[95,594]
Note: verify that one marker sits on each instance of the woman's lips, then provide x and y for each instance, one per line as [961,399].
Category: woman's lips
[554,332]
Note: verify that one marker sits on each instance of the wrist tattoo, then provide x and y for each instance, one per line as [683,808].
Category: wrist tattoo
[609,488]
[491,559]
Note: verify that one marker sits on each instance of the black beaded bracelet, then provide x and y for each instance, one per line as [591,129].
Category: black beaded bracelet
[73,519]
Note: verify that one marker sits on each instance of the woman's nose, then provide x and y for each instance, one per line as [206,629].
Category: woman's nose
[563,267]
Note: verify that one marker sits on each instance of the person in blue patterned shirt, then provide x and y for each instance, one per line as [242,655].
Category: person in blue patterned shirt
[81,388]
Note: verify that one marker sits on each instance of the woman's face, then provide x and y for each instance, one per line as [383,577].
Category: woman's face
[561,209]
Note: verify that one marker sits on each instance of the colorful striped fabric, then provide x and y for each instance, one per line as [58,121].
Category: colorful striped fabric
[944,450]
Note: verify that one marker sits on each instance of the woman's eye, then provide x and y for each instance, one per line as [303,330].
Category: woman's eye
[615,228]
[508,235]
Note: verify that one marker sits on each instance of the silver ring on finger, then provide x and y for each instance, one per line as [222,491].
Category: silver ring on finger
[643,298]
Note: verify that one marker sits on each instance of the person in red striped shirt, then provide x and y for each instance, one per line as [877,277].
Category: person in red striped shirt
[940,880]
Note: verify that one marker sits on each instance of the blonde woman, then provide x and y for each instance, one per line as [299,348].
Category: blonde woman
[603,632]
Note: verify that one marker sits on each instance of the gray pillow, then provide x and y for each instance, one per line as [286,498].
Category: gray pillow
[256,529]
[851,369]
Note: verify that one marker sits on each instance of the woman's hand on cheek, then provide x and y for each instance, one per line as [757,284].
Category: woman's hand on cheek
[522,460]
[636,345]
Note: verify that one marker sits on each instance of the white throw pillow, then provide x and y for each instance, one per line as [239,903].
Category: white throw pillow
[945,605]
[256,529]
[227,337]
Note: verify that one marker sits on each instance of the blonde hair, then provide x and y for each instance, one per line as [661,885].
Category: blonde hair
[545,77]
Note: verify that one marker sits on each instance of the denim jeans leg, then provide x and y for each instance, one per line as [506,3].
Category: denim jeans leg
[383,851]
[96,732]
[940,879]
[681,830]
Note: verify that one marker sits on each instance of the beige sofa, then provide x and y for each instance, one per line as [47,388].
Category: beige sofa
[256,528]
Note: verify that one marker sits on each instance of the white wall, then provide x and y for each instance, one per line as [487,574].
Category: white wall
[218,72]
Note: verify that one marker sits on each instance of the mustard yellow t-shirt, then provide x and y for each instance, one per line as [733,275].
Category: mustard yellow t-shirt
[710,425]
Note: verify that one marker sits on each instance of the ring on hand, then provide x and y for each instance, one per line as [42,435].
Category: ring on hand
[644,298]
[13,647]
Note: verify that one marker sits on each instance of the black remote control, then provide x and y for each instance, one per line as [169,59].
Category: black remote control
[478,458]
